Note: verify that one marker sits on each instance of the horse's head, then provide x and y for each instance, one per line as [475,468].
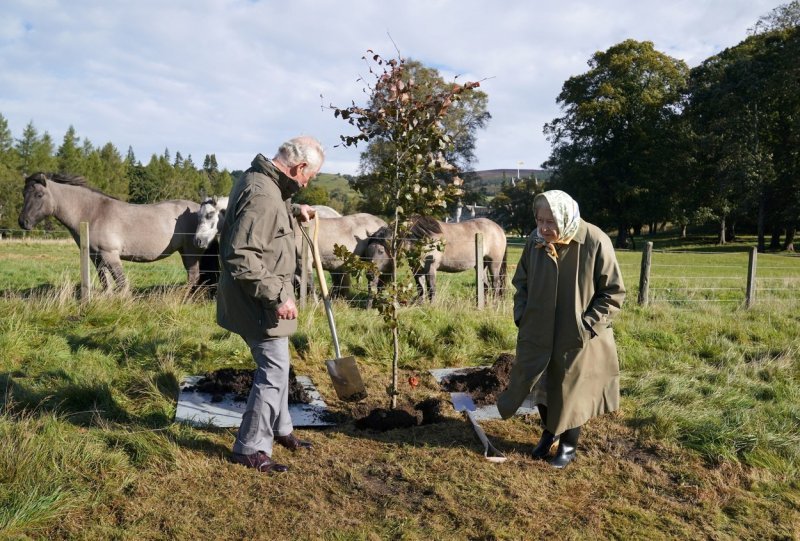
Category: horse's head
[38,203]
[208,218]
[377,250]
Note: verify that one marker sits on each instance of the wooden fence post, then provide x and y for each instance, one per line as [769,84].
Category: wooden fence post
[304,274]
[750,296]
[644,276]
[86,280]
[479,272]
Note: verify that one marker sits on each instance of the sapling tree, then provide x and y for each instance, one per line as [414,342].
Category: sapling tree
[407,121]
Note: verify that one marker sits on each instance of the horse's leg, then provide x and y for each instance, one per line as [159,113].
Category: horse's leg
[100,265]
[372,289]
[337,278]
[419,278]
[114,264]
[191,262]
[375,282]
[490,278]
[431,276]
[346,284]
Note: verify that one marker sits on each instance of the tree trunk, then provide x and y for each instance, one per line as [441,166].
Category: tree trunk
[775,239]
[395,315]
[721,231]
[683,231]
[395,360]
[761,226]
[622,237]
[788,245]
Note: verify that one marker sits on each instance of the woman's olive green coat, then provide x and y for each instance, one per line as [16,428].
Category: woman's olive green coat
[564,308]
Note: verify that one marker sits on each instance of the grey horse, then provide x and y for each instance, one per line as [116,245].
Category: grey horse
[457,255]
[117,230]
[353,231]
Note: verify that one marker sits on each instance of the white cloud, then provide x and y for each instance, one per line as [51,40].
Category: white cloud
[236,77]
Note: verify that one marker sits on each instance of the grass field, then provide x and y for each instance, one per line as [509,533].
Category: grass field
[706,445]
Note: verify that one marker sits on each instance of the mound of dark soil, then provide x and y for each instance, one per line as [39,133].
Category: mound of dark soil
[431,410]
[238,381]
[405,416]
[484,384]
[381,419]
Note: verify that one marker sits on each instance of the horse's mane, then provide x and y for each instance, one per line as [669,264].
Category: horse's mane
[425,226]
[381,234]
[72,180]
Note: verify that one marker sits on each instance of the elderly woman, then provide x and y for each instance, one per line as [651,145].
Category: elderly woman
[568,290]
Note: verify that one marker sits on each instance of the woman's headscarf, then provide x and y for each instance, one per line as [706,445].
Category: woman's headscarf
[567,216]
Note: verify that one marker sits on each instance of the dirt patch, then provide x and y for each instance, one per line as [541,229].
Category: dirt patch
[404,416]
[239,381]
[484,384]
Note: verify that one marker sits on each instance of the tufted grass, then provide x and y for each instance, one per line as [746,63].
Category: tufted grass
[707,444]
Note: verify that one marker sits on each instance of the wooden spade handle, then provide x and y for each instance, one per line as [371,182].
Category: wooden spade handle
[323,285]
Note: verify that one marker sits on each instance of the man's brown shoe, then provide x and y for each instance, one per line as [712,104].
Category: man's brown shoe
[292,443]
[259,461]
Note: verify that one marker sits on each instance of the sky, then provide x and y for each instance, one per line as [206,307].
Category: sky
[238,77]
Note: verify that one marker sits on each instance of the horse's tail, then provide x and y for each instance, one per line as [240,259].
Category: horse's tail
[502,277]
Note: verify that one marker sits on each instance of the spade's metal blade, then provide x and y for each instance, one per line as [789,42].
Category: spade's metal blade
[346,379]
[462,402]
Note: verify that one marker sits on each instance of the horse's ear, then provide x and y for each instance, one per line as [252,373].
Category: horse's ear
[39,178]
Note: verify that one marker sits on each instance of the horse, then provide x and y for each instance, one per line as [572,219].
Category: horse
[209,220]
[457,254]
[210,216]
[352,231]
[117,230]
[324,211]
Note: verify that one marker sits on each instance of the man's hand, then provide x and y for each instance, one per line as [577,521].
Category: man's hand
[305,213]
[287,310]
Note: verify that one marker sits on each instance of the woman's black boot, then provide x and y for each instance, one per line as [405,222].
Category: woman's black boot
[542,449]
[566,448]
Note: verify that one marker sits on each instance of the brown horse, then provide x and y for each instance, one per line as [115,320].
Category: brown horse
[117,230]
[457,255]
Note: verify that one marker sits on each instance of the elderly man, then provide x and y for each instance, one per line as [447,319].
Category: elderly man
[255,296]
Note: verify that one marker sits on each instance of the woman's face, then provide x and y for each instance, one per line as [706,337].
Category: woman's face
[548,229]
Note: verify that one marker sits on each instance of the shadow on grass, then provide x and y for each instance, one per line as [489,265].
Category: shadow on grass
[39,291]
[108,342]
[80,404]
[94,406]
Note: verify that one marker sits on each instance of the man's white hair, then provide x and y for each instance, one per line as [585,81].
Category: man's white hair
[299,150]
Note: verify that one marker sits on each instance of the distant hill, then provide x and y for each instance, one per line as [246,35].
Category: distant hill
[492,179]
[489,179]
[334,182]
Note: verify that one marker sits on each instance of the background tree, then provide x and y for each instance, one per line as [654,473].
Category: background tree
[512,207]
[460,123]
[406,122]
[69,156]
[312,195]
[9,181]
[783,17]
[614,146]
[745,111]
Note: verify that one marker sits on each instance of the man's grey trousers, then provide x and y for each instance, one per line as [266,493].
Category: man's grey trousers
[267,411]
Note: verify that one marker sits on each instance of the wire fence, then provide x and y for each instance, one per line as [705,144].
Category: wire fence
[678,278]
